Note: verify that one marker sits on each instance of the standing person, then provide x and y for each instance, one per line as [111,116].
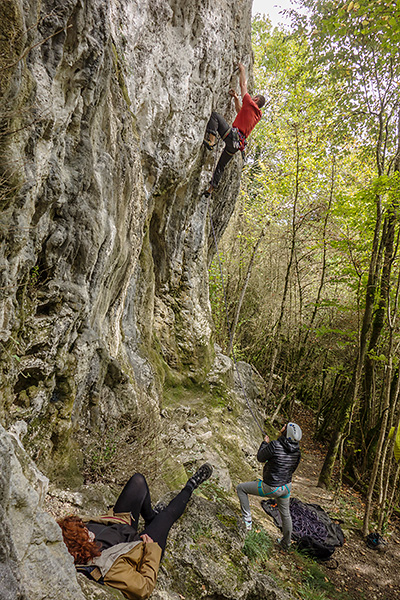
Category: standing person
[281,457]
[111,547]
[235,137]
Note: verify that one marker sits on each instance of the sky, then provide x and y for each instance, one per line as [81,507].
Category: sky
[272,9]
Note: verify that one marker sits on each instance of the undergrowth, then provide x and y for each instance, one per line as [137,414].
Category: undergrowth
[257,546]
[300,575]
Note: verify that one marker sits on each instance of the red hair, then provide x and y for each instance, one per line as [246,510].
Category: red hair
[76,538]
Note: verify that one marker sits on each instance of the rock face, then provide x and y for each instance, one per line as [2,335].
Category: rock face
[218,426]
[105,243]
[103,278]
[34,562]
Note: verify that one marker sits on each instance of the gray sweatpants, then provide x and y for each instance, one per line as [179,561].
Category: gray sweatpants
[282,496]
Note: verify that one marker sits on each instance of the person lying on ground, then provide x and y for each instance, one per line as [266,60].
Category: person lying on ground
[109,548]
[235,137]
[281,458]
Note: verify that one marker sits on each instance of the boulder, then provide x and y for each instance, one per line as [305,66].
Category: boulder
[34,561]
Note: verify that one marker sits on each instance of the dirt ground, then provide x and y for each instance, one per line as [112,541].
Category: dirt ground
[362,573]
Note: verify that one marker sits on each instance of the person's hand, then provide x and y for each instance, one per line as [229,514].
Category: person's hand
[146,538]
[266,439]
[233,93]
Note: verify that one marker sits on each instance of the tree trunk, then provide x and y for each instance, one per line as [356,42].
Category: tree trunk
[288,271]
[241,298]
[386,481]
[325,476]
[323,269]
[372,481]
[351,399]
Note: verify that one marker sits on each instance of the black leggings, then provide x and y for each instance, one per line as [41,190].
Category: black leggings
[217,124]
[135,498]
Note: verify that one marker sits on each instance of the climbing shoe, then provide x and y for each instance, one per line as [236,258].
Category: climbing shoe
[209,141]
[201,475]
[207,193]
[208,145]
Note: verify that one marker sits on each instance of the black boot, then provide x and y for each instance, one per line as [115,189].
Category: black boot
[201,475]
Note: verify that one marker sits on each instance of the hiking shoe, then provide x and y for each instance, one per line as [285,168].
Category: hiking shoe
[282,546]
[248,525]
[201,475]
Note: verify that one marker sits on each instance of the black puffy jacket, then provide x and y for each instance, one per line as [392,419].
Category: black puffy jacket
[281,458]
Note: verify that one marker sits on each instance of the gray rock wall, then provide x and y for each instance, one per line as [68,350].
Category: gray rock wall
[34,562]
[104,236]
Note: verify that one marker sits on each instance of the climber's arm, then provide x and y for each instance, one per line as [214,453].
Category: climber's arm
[242,80]
[234,95]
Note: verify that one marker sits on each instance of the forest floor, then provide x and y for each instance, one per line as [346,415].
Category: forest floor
[362,573]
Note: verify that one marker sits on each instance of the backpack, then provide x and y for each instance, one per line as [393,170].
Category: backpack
[374,540]
[315,549]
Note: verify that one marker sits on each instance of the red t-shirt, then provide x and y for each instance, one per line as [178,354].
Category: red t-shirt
[248,116]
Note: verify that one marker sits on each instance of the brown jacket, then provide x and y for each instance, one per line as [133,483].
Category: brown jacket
[133,570]
[131,567]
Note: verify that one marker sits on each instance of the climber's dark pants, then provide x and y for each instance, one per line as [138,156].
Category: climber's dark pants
[135,498]
[217,124]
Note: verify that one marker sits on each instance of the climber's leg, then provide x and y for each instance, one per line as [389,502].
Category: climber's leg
[216,124]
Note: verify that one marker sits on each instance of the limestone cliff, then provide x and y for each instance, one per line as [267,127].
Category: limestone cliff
[105,325]
[104,234]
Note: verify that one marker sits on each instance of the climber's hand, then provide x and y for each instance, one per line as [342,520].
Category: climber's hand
[146,538]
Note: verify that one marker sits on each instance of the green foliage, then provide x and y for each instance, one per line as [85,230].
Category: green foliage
[293,157]
[257,546]
[34,277]
[315,579]
[359,46]
[313,582]
[320,190]
[211,490]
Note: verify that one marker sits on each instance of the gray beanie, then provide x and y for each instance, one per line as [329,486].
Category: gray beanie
[293,432]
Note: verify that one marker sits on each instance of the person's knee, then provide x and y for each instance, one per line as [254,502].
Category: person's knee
[138,477]
[241,489]
[212,125]
[284,508]
[138,480]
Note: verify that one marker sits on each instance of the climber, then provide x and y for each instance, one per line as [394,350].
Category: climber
[109,548]
[235,137]
[281,458]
